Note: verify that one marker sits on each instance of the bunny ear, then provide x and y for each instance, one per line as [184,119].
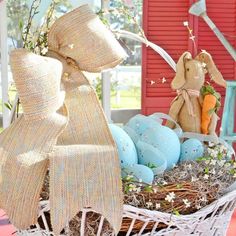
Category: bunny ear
[214,73]
[179,79]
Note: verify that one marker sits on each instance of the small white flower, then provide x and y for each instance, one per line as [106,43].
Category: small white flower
[158,206]
[140,180]
[163,80]
[185,23]
[189,166]
[213,162]
[198,206]
[154,190]
[194,179]
[207,162]
[149,204]
[138,190]
[187,203]
[152,82]
[213,171]
[221,163]
[206,176]
[164,182]
[210,144]
[170,197]
[44,51]
[192,37]
[132,187]
[71,46]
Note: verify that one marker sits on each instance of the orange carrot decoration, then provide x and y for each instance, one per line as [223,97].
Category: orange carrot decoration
[211,103]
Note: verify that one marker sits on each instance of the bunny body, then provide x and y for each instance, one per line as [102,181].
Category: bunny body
[186,108]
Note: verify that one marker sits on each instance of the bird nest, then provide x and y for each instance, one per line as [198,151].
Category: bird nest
[183,190]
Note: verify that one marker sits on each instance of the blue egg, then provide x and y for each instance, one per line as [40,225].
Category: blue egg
[138,124]
[151,157]
[139,173]
[191,149]
[166,141]
[126,148]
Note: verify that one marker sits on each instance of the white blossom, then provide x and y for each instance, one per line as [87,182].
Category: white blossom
[194,179]
[206,176]
[71,46]
[185,23]
[213,171]
[163,80]
[221,163]
[210,144]
[149,204]
[189,166]
[187,203]
[213,162]
[198,206]
[44,51]
[152,82]
[158,206]
[207,162]
[170,197]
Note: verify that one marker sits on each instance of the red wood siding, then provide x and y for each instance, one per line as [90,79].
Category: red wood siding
[163,25]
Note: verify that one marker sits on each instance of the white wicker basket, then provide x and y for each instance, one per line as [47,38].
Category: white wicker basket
[211,220]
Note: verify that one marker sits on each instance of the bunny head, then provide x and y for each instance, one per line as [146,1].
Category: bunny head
[190,73]
[206,59]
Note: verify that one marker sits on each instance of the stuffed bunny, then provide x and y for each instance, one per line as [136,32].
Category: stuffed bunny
[186,108]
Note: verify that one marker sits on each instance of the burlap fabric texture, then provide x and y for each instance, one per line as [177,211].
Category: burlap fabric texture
[25,145]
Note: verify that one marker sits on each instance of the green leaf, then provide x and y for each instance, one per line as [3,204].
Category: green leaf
[179,186]
[151,165]
[206,170]
[21,25]
[175,212]
[148,189]
[8,105]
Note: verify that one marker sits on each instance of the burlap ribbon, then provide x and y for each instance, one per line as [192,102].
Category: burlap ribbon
[84,169]
[187,93]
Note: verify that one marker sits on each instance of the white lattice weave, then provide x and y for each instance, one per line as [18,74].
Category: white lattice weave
[212,220]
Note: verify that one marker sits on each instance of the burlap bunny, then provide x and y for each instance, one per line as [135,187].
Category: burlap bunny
[186,108]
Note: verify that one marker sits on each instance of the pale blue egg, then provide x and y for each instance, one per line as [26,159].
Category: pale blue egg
[126,148]
[139,173]
[151,157]
[138,124]
[191,149]
[166,141]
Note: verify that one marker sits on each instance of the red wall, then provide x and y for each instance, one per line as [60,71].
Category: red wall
[163,25]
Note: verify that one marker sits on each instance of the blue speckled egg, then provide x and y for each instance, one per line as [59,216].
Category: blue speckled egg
[191,149]
[139,172]
[126,148]
[151,157]
[138,124]
[165,140]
